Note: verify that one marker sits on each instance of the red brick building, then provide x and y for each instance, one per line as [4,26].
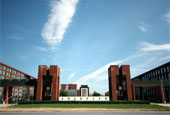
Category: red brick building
[9,73]
[119,82]
[48,83]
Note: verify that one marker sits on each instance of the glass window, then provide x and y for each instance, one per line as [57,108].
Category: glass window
[9,69]
[13,71]
[18,73]
[16,89]
[1,71]
[1,77]
[164,70]
[22,75]
[0,92]
[3,67]
[13,76]
[161,71]
[168,68]
[20,90]
[8,74]
[18,77]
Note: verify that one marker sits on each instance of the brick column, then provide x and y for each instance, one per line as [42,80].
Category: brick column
[6,95]
[41,71]
[133,92]
[55,73]
[113,72]
[126,72]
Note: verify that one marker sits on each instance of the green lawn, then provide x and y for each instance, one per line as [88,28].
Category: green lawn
[113,106]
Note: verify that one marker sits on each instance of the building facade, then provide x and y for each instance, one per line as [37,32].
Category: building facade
[153,85]
[119,82]
[84,90]
[70,88]
[48,83]
[18,90]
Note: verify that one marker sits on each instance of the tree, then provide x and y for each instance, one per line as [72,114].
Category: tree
[64,93]
[96,94]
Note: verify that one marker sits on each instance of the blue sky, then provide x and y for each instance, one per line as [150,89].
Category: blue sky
[84,37]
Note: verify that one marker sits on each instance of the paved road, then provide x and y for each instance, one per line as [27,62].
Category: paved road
[86,113]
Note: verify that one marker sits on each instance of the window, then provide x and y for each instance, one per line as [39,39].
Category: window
[8,74]
[18,77]
[164,70]
[3,67]
[1,71]
[9,69]
[168,68]
[20,90]
[1,77]
[13,76]
[13,71]
[16,89]
[22,75]
[0,92]
[18,73]
[161,71]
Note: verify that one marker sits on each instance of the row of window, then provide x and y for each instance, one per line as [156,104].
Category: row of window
[160,73]
[13,77]
[10,71]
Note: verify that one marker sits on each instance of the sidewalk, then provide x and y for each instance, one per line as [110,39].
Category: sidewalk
[161,104]
[71,110]
[6,105]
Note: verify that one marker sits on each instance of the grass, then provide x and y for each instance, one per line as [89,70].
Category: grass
[111,106]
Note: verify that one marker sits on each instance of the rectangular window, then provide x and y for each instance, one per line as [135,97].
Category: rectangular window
[1,71]
[16,89]
[18,73]
[8,74]
[168,68]
[3,67]
[13,76]
[1,77]
[9,69]
[18,77]
[13,71]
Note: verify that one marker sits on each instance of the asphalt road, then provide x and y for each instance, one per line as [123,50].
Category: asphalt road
[87,113]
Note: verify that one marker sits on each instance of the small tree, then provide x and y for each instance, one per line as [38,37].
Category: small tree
[96,94]
[64,93]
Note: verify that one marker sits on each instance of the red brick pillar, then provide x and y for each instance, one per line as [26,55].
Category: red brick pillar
[162,95]
[55,73]
[42,70]
[133,92]
[113,72]
[6,95]
[126,72]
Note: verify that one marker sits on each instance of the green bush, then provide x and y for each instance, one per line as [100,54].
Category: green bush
[84,102]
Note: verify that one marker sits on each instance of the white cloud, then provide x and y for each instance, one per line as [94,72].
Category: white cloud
[71,76]
[59,19]
[142,28]
[166,17]
[40,48]
[100,74]
[143,60]
[166,58]
[146,46]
